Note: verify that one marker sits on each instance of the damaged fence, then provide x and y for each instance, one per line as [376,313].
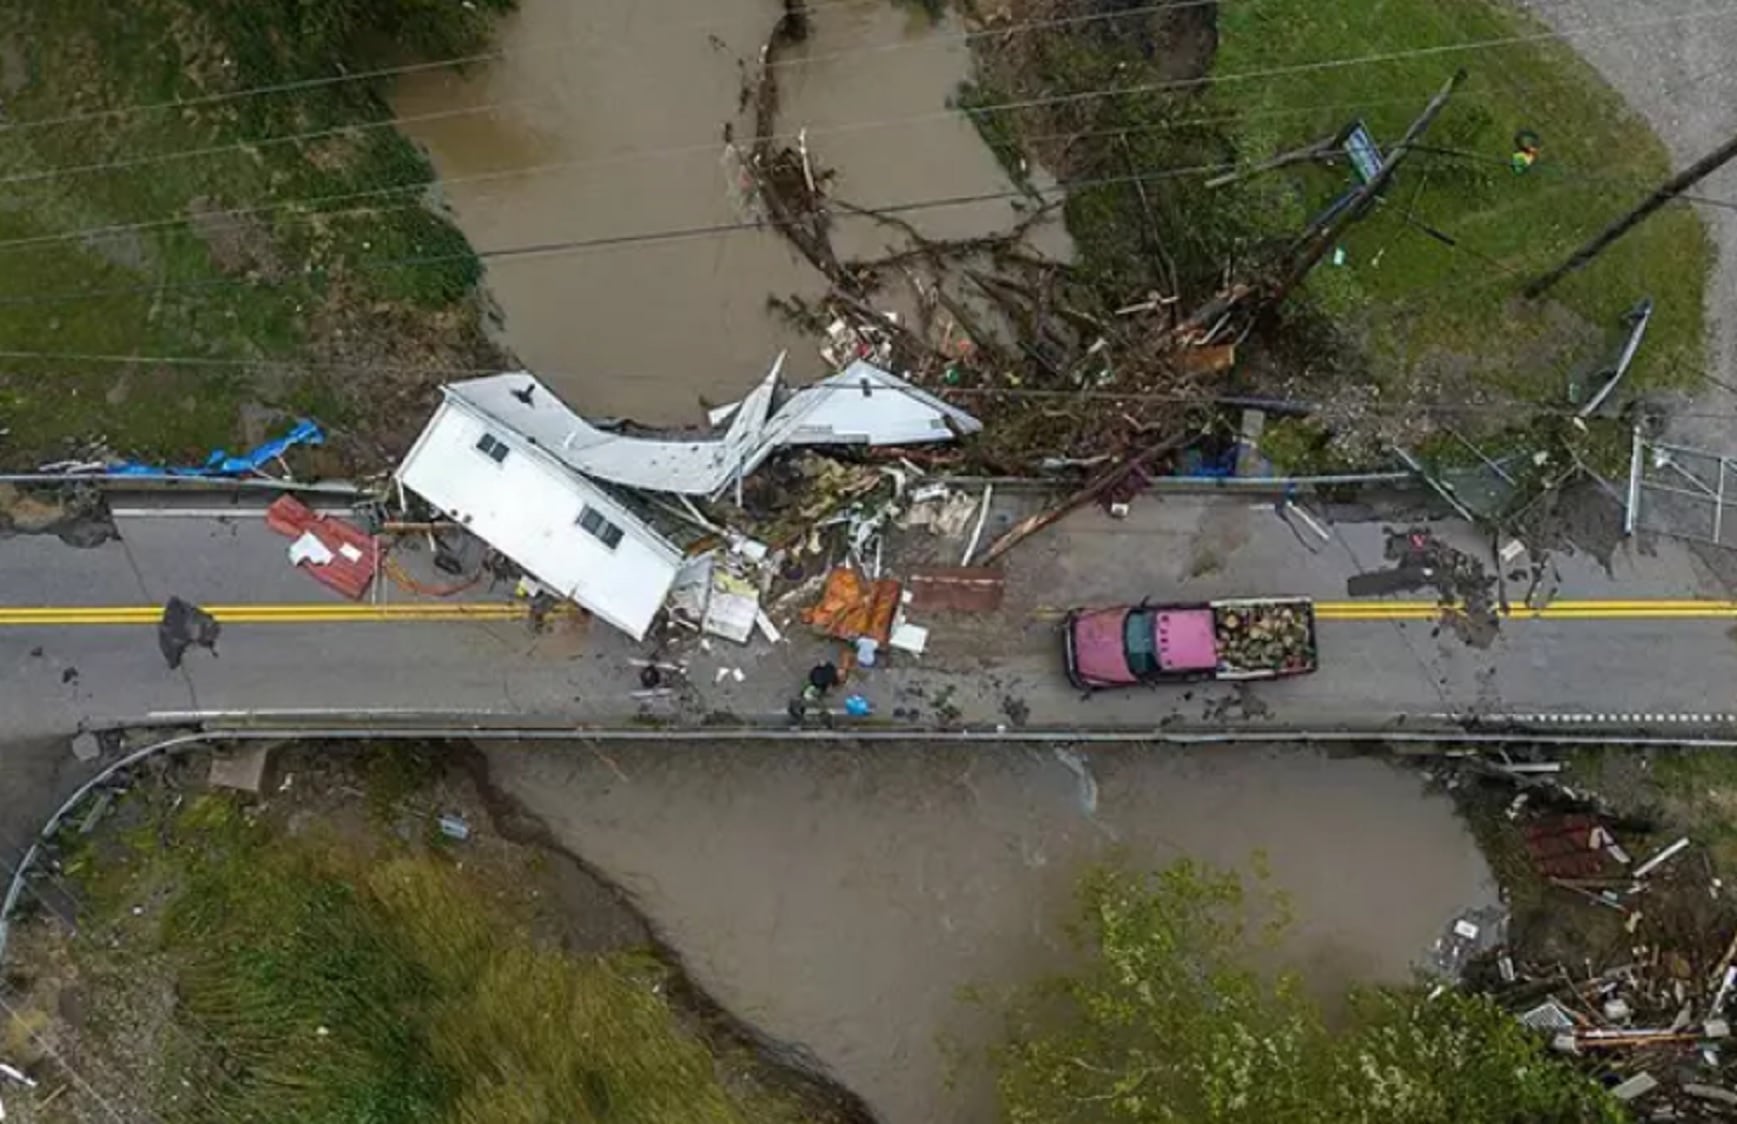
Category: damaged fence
[1683,492]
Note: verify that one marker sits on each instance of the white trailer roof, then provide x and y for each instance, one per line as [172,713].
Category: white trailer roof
[564,530]
[701,466]
[861,405]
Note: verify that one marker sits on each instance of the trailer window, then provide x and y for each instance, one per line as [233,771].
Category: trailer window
[1140,643]
[594,521]
[492,447]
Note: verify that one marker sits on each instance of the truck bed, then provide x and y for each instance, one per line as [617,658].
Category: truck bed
[1264,637]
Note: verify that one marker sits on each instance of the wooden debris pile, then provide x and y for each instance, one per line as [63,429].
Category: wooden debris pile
[1056,368]
[1640,993]
[1270,635]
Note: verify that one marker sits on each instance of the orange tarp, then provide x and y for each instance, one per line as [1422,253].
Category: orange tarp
[851,606]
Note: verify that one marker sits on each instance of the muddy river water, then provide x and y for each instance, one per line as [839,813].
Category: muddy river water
[606,118]
[844,898]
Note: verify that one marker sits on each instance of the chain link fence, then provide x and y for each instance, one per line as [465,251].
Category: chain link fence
[1683,492]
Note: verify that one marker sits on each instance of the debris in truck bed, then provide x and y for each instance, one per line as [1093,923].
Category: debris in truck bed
[1252,635]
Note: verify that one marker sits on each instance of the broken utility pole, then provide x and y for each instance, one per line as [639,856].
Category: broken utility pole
[1202,326]
[1668,191]
[1314,242]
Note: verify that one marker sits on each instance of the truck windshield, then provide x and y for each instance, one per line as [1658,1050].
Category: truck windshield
[1140,643]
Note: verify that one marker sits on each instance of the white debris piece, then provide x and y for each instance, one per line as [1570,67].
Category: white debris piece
[861,405]
[907,637]
[691,591]
[309,549]
[864,405]
[17,1076]
[732,608]
[1661,858]
[1639,1084]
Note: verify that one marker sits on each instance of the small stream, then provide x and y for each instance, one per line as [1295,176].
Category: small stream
[609,121]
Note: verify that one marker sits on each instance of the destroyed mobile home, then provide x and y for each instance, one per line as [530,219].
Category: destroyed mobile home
[576,503]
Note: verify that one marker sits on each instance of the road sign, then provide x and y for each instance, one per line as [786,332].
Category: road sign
[1365,155]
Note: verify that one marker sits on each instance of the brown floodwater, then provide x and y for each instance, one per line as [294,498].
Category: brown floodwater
[845,899]
[608,121]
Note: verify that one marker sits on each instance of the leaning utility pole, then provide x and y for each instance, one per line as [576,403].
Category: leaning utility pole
[1203,324]
[1672,188]
[1314,242]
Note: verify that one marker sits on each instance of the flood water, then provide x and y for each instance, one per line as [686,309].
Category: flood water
[844,898]
[608,122]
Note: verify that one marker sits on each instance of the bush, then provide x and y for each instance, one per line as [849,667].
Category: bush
[1168,1023]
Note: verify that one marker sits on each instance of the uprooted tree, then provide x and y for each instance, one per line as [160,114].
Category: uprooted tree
[1168,1021]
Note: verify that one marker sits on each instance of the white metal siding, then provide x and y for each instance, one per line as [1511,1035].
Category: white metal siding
[528,508]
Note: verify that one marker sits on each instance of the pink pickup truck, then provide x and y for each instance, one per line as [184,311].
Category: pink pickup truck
[1245,638]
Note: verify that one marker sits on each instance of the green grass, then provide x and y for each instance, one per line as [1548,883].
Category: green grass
[1693,791]
[1414,320]
[276,291]
[1420,302]
[321,982]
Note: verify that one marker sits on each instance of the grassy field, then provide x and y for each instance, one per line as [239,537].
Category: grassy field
[199,232]
[1435,312]
[1397,318]
[318,968]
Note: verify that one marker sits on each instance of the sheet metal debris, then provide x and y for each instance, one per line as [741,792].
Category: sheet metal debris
[337,554]
[861,405]
[733,606]
[853,606]
[960,589]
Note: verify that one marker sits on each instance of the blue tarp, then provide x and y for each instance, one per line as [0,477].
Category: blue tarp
[220,463]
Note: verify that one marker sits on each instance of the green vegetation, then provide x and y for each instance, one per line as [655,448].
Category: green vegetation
[1167,1022]
[1681,791]
[1397,316]
[1427,305]
[257,232]
[327,979]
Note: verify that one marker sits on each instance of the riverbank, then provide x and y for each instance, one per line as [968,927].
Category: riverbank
[375,934]
[210,231]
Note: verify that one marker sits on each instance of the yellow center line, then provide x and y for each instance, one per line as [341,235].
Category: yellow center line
[430,611]
[1631,609]
[262,614]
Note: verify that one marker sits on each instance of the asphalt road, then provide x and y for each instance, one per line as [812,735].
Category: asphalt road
[1603,660]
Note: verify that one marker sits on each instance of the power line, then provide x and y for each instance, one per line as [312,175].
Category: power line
[61,1061]
[637,155]
[1561,172]
[1503,406]
[252,143]
[451,62]
[19,871]
[582,245]
[1203,81]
